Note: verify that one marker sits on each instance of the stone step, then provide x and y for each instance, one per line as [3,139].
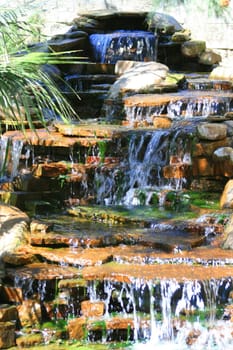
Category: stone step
[85,136]
[122,272]
[150,100]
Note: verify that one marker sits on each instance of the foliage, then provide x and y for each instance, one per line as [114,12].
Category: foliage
[25,89]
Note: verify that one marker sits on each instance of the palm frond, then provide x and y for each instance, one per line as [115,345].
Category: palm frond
[26,92]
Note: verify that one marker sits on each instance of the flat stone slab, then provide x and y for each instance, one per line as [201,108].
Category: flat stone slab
[43,137]
[93,130]
[184,272]
[151,100]
[76,256]
[43,271]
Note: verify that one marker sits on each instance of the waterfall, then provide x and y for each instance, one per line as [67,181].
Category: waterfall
[123,45]
[139,178]
[156,309]
[9,157]
[147,155]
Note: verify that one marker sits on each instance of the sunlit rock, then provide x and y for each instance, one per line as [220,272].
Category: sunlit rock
[226,200]
[92,309]
[77,328]
[162,122]
[142,76]
[181,36]
[212,131]
[13,228]
[228,231]
[29,313]
[209,57]
[193,48]
[223,153]
[224,71]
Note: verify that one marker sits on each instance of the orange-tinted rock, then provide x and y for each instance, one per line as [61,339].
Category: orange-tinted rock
[121,272]
[193,336]
[202,167]
[77,328]
[149,100]
[11,294]
[120,323]
[92,130]
[7,335]
[162,123]
[19,259]
[29,340]
[176,171]
[8,313]
[92,308]
[76,256]
[29,313]
[43,271]
[205,148]
[50,169]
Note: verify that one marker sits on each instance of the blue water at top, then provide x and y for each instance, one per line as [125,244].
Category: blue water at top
[123,45]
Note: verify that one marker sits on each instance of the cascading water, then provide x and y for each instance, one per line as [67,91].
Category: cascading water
[157,307]
[9,156]
[124,45]
[140,175]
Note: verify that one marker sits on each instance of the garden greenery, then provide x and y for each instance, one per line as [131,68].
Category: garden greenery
[26,90]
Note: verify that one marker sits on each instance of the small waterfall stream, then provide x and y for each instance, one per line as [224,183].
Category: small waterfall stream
[10,153]
[122,44]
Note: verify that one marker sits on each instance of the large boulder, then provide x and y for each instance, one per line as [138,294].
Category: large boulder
[14,230]
[226,200]
[228,234]
[139,77]
[224,71]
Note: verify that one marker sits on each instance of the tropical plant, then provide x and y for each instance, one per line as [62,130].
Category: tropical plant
[26,91]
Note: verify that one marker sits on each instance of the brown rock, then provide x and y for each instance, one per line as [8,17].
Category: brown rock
[162,122]
[7,335]
[19,258]
[92,308]
[202,167]
[193,48]
[176,171]
[77,328]
[11,294]
[206,148]
[29,313]
[29,340]
[8,313]
[50,170]
[209,57]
